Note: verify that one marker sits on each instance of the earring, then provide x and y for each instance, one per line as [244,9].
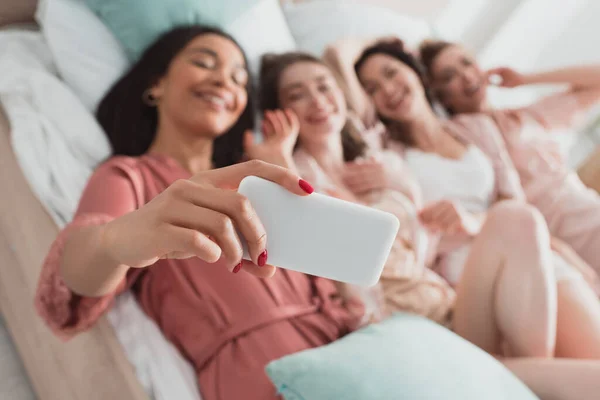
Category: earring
[149,99]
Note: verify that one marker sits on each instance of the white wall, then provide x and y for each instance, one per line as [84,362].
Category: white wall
[578,43]
[427,9]
[474,22]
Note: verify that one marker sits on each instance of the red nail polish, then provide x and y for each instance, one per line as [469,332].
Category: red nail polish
[262,259]
[237,268]
[306,186]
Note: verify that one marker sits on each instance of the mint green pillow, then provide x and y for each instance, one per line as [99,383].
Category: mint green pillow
[137,23]
[404,357]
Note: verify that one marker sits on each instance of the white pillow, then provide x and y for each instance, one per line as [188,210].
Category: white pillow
[87,55]
[262,29]
[317,24]
[90,59]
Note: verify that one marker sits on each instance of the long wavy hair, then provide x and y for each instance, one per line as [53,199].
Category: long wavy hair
[395,48]
[272,67]
[131,124]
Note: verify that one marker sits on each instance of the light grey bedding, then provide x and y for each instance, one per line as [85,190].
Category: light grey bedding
[14,384]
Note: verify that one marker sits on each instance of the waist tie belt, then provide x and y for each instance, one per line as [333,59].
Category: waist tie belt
[249,324]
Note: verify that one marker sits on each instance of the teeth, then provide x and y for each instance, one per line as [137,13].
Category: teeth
[215,99]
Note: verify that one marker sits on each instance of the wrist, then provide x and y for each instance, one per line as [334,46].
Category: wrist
[106,247]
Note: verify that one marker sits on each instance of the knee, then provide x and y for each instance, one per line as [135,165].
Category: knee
[517,220]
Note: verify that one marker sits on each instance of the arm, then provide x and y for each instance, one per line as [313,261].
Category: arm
[340,57]
[86,266]
[578,77]
[74,264]
[561,109]
[584,82]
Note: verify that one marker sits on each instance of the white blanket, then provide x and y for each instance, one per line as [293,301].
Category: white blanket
[58,143]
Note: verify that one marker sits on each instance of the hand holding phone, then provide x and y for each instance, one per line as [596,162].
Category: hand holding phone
[321,235]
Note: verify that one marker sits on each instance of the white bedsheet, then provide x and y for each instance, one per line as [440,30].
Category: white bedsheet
[58,143]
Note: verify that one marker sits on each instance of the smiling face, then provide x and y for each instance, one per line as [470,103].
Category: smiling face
[458,80]
[312,93]
[205,88]
[394,87]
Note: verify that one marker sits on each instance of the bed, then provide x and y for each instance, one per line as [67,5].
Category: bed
[96,358]
[94,365]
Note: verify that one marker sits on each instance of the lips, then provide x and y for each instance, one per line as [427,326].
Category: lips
[397,100]
[473,89]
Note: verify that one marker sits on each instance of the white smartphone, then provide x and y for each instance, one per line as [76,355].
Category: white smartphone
[321,235]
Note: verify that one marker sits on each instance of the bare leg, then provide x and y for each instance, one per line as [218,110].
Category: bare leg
[558,379]
[507,290]
[578,332]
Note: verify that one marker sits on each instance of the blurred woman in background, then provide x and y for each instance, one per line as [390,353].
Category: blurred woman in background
[463,183]
[571,210]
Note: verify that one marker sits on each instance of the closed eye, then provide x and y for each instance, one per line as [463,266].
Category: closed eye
[295,96]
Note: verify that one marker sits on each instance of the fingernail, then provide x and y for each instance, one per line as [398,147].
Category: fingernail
[237,268]
[307,187]
[262,259]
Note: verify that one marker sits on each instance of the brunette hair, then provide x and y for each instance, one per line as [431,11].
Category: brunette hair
[395,48]
[272,67]
[429,50]
[131,124]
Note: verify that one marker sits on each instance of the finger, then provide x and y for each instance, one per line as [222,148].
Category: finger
[283,121]
[211,223]
[230,177]
[431,215]
[184,242]
[360,184]
[267,127]
[428,212]
[277,126]
[448,220]
[362,187]
[354,176]
[425,213]
[238,208]
[293,120]
[455,228]
[439,213]
[266,271]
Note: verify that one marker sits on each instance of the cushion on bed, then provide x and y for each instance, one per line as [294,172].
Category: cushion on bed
[259,25]
[87,55]
[138,23]
[404,357]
